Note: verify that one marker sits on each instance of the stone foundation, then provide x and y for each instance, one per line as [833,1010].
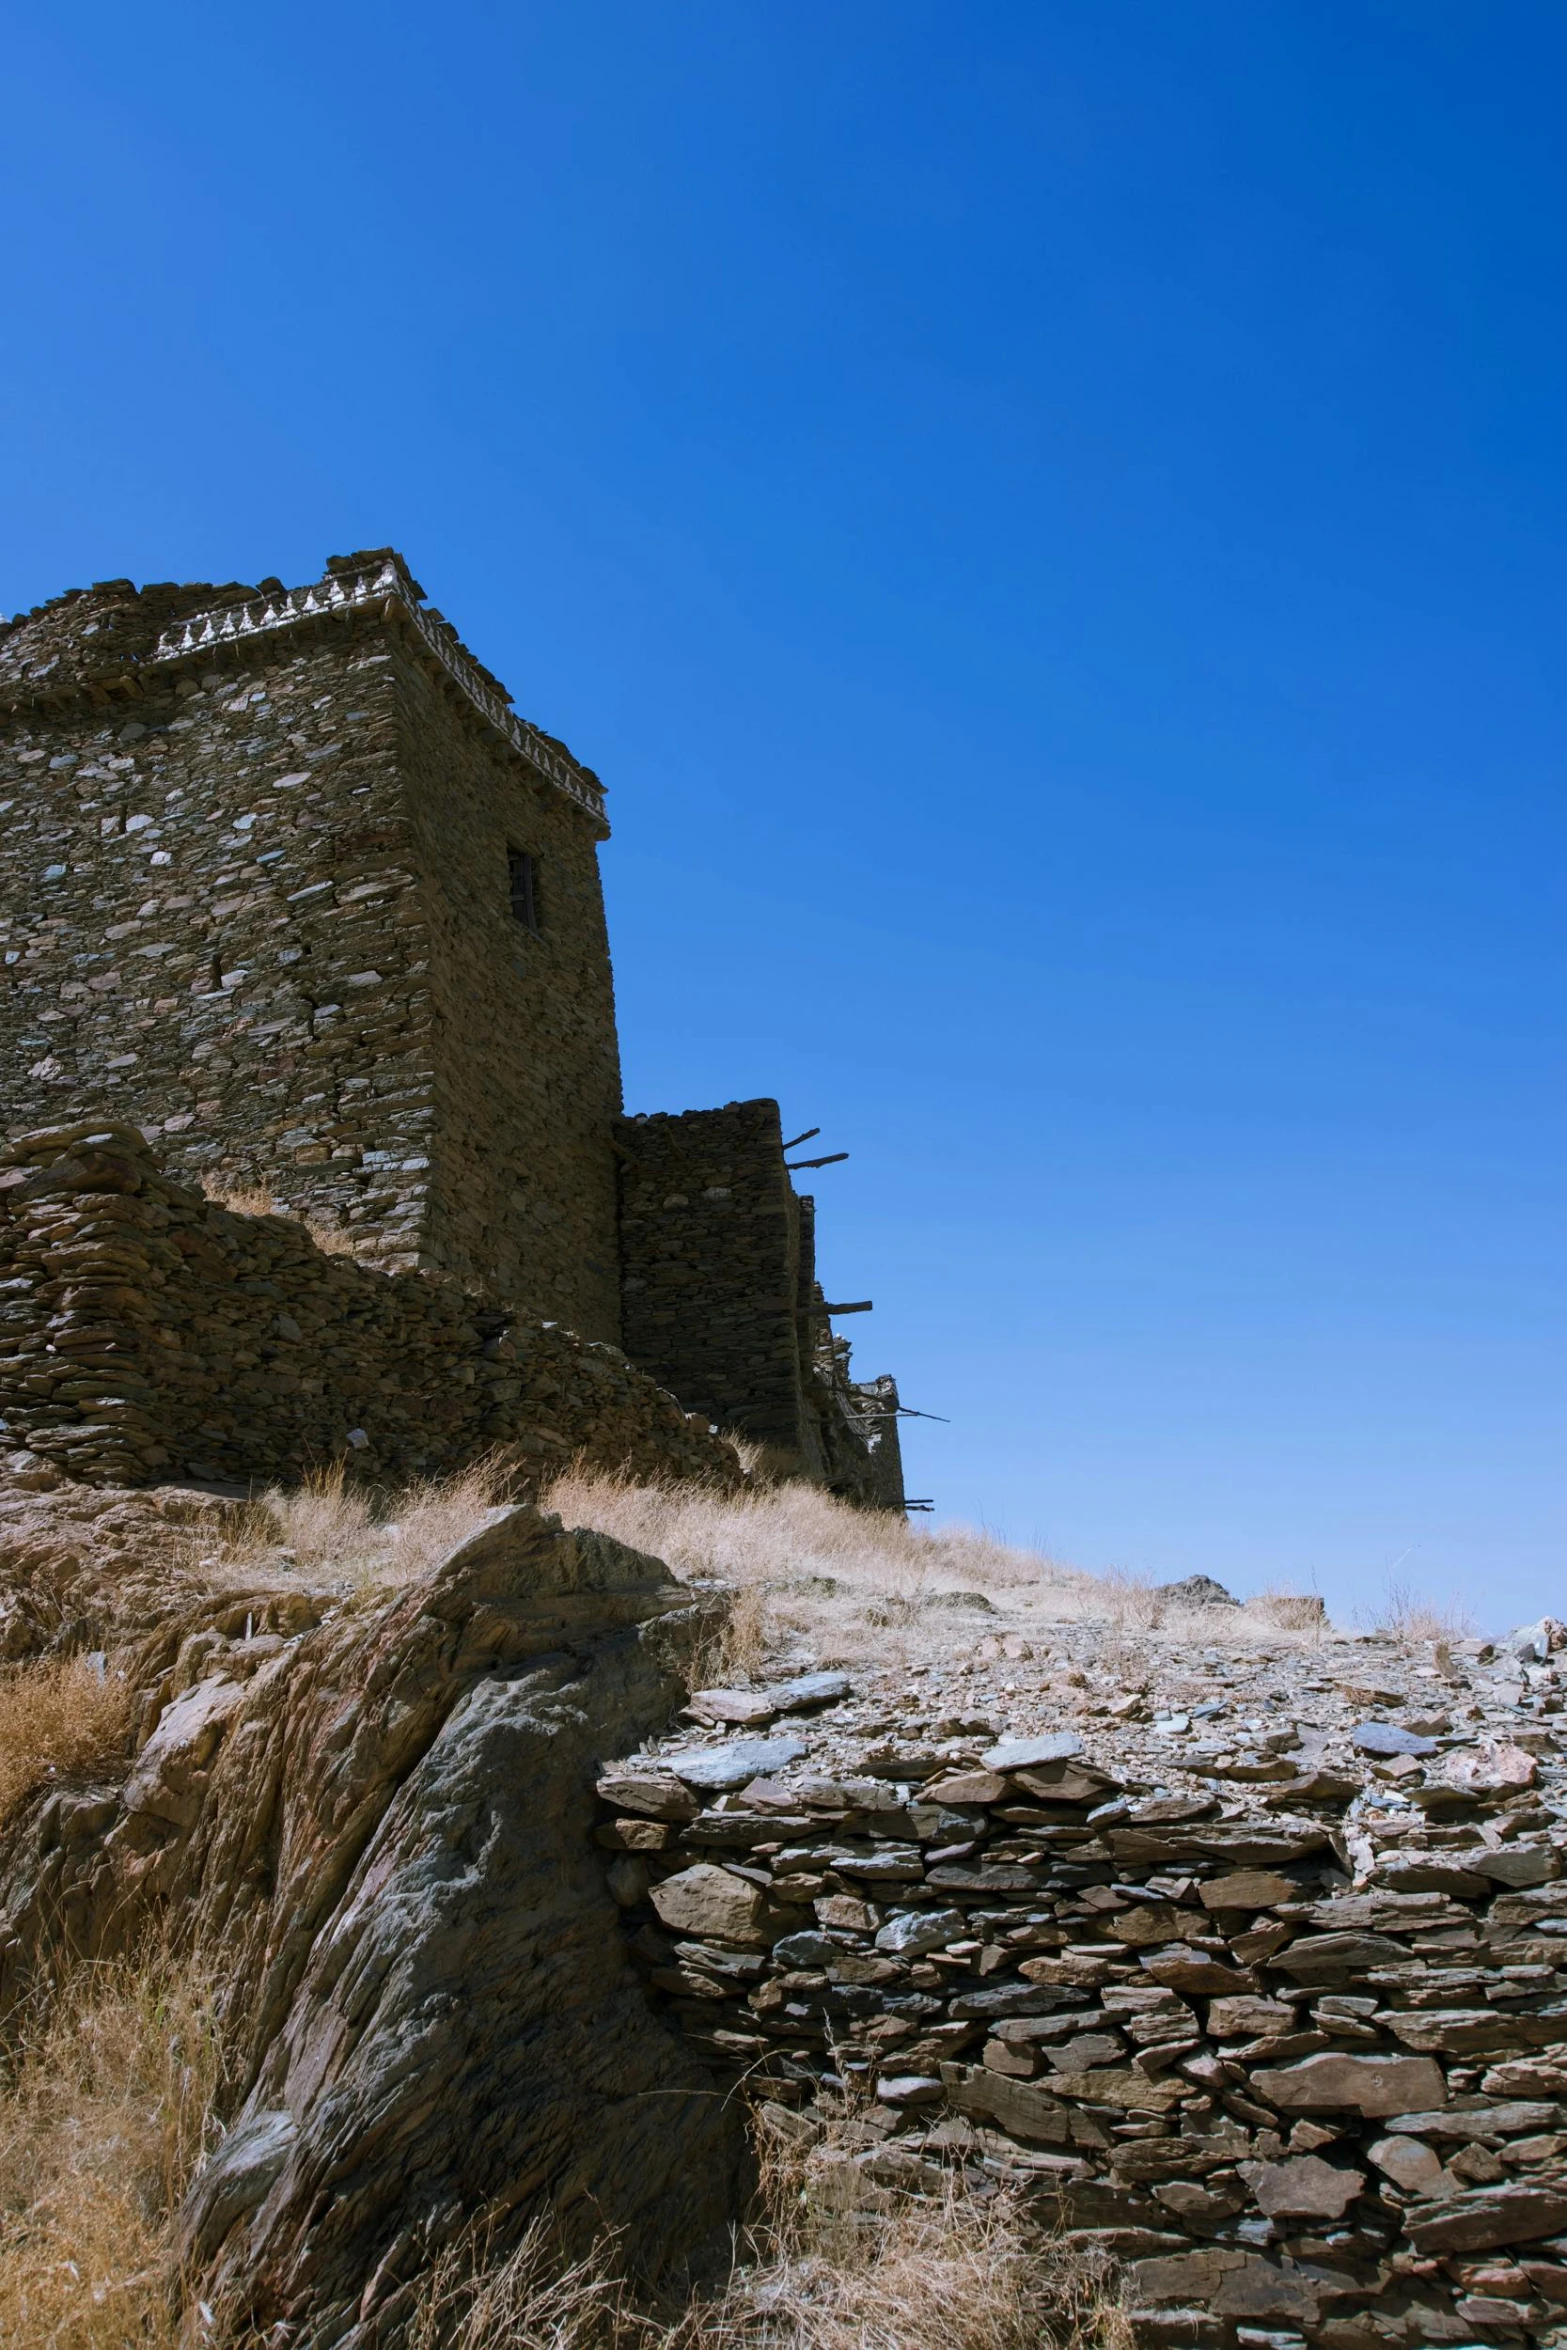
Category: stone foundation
[1295,2109]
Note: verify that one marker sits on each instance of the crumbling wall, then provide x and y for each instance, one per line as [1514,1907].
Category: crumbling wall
[1332,2111]
[145,1331]
[710,1258]
[720,1298]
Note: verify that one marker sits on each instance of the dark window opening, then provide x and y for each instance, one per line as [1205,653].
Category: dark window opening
[523,876]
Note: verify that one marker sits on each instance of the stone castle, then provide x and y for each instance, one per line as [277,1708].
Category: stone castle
[292,889]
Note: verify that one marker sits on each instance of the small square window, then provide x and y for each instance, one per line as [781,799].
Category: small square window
[522,872]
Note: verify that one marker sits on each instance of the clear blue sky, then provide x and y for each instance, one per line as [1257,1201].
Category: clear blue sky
[1052,522]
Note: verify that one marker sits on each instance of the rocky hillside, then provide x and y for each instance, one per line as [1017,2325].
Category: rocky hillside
[1217,1939]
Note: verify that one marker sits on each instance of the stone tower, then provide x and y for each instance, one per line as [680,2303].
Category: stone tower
[289,885]
[288,881]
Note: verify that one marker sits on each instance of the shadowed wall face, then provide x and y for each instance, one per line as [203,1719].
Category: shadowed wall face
[712,1266]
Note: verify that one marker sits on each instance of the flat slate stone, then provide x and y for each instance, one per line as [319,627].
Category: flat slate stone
[734,1764]
[809,1689]
[1388,1738]
[1023,1754]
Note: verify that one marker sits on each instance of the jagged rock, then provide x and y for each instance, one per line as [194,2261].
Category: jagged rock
[1196,1591]
[1390,1738]
[706,1900]
[912,1932]
[1023,1754]
[382,1841]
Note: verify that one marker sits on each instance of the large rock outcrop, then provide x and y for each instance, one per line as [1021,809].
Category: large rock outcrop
[375,1820]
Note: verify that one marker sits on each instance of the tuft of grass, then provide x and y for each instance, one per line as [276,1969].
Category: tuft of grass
[242,1195]
[959,2268]
[331,1524]
[1408,1616]
[105,2116]
[1290,1610]
[59,1718]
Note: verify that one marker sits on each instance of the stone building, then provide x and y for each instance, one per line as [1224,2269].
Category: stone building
[289,885]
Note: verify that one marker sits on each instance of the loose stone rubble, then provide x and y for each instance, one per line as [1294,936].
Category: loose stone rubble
[1267,2004]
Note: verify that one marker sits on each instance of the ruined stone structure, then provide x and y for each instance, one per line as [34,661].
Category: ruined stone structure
[289,885]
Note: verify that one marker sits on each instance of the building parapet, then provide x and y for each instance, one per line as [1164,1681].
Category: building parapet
[383,582]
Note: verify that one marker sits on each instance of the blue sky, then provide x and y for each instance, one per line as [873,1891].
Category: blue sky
[1050,521]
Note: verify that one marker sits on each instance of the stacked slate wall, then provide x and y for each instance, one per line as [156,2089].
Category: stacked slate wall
[712,1283]
[1294,2109]
[719,1298]
[147,1333]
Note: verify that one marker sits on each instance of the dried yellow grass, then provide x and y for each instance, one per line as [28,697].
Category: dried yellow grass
[1411,1617]
[104,2119]
[864,1583]
[959,2268]
[330,1523]
[59,1718]
[242,1195]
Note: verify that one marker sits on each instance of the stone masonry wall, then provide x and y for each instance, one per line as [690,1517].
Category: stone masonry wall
[527,1063]
[210,927]
[261,895]
[146,1333]
[720,1298]
[710,1258]
[1295,2108]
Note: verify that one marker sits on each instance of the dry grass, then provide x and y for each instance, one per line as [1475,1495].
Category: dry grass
[59,1718]
[1408,1616]
[331,1528]
[103,2121]
[864,1584]
[1290,1610]
[242,1195]
[959,2268]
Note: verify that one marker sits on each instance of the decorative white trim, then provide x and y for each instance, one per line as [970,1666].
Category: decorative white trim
[383,583]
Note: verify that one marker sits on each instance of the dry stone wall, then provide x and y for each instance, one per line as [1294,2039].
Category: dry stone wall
[1302,2093]
[146,1332]
[720,1298]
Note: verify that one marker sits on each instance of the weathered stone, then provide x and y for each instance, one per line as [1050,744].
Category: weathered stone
[912,1932]
[1410,2164]
[708,1900]
[1194,1972]
[1330,1958]
[1247,1889]
[1022,1754]
[975,1787]
[1487,1772]
[726,1767]
[1022,2108]
[657,1795]
[1390,1738]
[425,1967]
[1305,2187]
[1491,2215]
[738,1706]
[1374,2085]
